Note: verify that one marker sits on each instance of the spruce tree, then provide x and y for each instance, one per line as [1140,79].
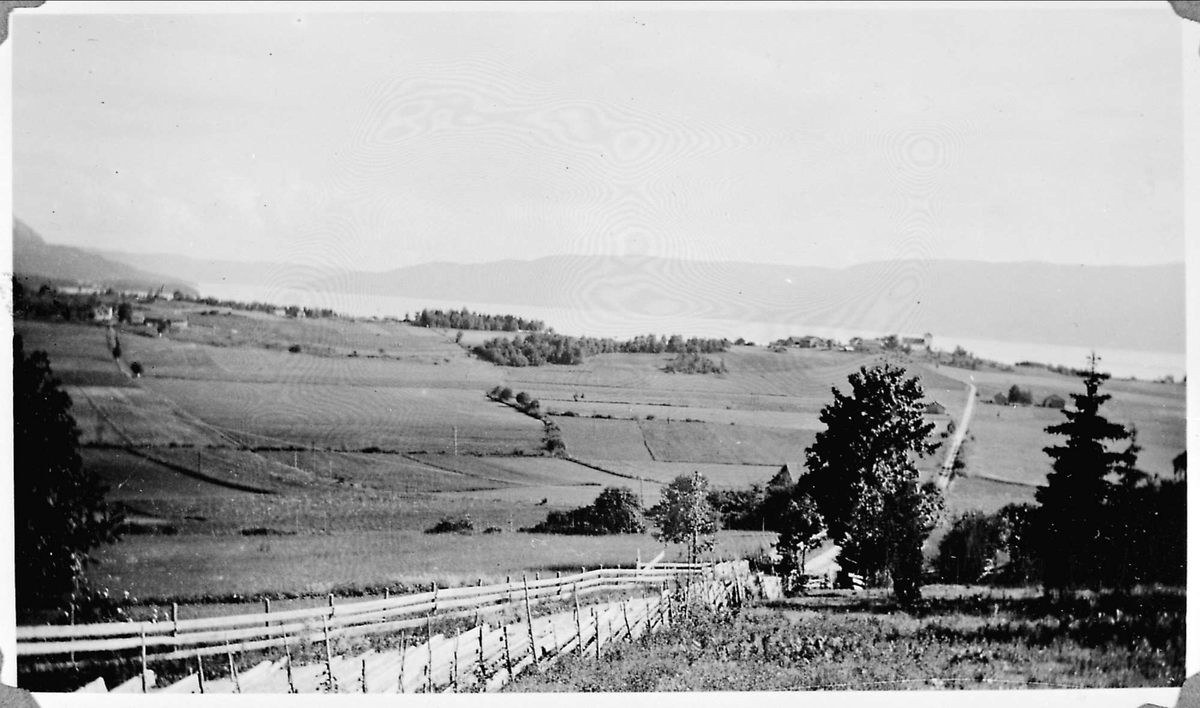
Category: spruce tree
[1075,534]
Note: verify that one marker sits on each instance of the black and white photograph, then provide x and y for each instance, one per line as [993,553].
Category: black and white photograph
[416,348]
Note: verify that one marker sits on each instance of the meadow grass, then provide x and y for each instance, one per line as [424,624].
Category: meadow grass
[959,639]
[190,568]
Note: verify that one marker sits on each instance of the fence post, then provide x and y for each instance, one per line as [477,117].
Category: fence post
[529,619]
[403,651]
[364,675]
[507,654]
[237,685]
[332,686]
[174,618]
[454,666]
[287,653]
[482,665]
[143,658]
[200,670]
[578,619]
[267,610]
[596,622]
[429,650]
[625,612]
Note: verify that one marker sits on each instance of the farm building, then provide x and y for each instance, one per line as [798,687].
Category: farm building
[934,408]
[860,344]
[102,313]
[1054,401]
[784,477]
[1000,399]
[810,342]
[925,342]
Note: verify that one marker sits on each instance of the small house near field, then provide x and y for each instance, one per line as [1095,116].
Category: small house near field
[1054,401]
[934,408]
[1000,399]
[102,313]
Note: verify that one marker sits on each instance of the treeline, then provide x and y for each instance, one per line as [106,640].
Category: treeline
[538,348]
[46,303]
[289,310]
[465,319]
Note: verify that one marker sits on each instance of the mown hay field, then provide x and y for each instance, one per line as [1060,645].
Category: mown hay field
[299,413]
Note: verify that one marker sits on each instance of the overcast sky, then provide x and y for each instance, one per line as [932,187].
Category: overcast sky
[799,136]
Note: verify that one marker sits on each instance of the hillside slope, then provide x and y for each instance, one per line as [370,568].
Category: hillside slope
[32,256]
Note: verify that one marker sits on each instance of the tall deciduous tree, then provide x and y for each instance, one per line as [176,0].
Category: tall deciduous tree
[685,515]
[60,512]
[1074,535]
[863,477]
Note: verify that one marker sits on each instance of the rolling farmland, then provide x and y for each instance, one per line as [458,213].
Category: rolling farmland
[337,457]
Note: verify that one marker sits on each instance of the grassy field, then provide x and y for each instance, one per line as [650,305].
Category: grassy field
[837,640]
[347,447]
[200,567]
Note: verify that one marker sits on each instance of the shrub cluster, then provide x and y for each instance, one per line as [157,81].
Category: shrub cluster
[693,363]
[615,510]
[453,524]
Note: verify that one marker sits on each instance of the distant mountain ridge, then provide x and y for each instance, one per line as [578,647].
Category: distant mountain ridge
[33,257]
[1127,307]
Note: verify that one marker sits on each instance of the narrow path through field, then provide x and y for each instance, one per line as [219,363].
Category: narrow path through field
[943,478]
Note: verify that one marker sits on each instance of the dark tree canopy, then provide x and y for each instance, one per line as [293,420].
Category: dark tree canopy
[863,477]
[1071,517]
[60,514]
[615,510]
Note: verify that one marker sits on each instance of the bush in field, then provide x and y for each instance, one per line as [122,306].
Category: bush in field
[802,530]
[694,363]
[968,550]
[554,443]
[615,510]
[1018,397]
[136,368]
[1016,543]
[453,524]
[295,349]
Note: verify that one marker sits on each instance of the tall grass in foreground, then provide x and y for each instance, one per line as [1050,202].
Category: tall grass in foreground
[839,641]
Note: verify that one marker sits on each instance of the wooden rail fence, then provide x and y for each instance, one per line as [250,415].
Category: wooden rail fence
[482,658]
